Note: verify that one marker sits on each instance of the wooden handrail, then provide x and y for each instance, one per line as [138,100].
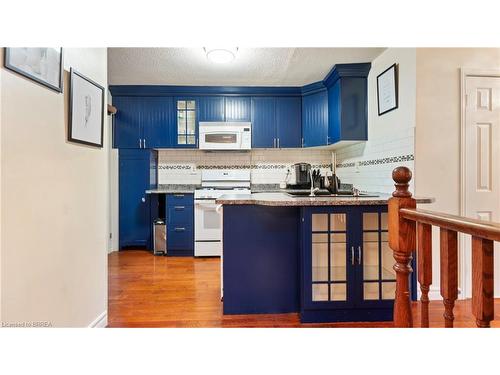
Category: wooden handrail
[407,224]
[474,227]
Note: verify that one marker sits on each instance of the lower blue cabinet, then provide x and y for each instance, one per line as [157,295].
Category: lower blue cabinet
[180,224]
[134,214]
[346,264]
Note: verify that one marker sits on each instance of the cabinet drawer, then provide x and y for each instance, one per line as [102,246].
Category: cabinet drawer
[180,199]
[180,214]
[180,237]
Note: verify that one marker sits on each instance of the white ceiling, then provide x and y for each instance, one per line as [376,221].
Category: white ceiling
[252,66]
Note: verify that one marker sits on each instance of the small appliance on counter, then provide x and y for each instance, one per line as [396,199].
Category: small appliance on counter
[300,177]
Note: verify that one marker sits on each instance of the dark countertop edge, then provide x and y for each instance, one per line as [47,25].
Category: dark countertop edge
[171,191]
[299,202]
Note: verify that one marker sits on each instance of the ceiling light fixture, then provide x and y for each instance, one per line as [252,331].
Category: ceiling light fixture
[221,55]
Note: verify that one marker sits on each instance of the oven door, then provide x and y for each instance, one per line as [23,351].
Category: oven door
[220,140]
[208,222]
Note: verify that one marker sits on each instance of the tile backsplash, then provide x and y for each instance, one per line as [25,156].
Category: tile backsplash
[369,165]
[267,166]
[366,165]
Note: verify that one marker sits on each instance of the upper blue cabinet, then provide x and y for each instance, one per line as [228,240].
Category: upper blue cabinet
[276,122]
[288,121]
[263,122]
[143,122]
[211,108]
[237,108]
[315,118]
[347,103]
[127,132]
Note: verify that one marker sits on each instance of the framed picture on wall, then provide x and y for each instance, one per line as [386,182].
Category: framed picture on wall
[43,65]
[86,110]
[387,90]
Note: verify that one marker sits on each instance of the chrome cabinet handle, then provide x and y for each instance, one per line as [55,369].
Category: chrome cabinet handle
[179,207]
[274,142]
[352,256]
[143,199]
[144,142]
[180,229]
[359,255]
[302,142]
[140,143]
[278,143]
[179,195]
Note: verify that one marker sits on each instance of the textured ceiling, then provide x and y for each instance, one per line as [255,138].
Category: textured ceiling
[252,66]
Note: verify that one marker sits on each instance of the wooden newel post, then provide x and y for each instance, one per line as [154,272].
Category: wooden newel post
[402,234]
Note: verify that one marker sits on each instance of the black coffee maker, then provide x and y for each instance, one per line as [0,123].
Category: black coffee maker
[301,178]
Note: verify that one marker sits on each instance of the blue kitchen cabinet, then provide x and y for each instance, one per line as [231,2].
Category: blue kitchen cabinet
[185,132]
[315,119]
[264,122]
[127,130]
[143,122]
[211,108]
[261,259]
[157,120]
[237,108]
[180,224]
[288,121]
[347,103]
[346,264]
[347,110]
[276,122]
[134,173]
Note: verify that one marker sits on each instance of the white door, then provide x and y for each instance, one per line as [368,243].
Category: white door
[482,160]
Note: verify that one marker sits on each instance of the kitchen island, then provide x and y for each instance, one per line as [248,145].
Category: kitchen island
[325,257]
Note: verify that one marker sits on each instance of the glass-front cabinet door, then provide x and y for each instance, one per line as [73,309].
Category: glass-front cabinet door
[327,259]
[376,260]
[186,129]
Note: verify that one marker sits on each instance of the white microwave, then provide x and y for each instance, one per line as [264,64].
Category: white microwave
[225,135]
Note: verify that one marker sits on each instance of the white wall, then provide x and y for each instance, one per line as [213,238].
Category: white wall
[55,208]
[113,187]
[437,150]
[1,153]
[390,136]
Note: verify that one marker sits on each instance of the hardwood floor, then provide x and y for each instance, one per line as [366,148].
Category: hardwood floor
[149,291]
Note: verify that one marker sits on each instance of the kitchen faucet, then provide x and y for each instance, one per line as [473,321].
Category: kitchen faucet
[313,189]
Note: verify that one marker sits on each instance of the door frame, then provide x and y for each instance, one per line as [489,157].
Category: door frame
[465,267]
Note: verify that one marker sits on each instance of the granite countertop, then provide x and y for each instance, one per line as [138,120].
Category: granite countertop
[177,188]
[282,199]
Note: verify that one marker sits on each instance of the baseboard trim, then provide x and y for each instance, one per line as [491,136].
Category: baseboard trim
[101,321]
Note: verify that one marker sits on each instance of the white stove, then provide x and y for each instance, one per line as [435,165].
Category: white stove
[207,214]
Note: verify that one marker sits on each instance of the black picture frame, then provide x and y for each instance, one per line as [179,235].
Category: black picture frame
[8,65]
[74,75]
[393,69]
